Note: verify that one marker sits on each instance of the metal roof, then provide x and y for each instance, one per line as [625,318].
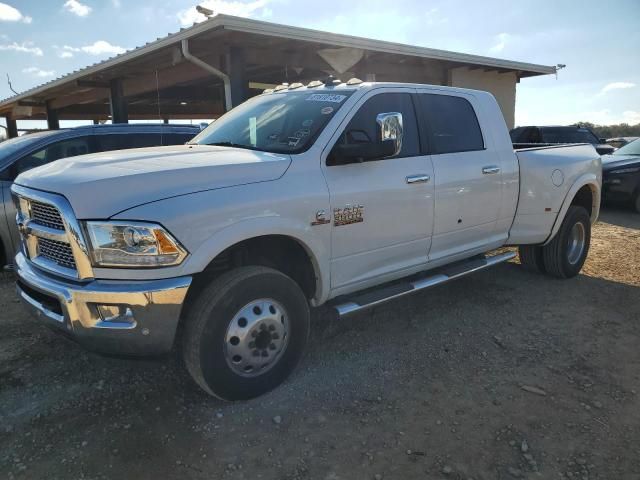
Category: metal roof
[238,24]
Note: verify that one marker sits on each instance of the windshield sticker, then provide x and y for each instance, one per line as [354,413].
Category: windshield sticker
[293,141]
[307,123]
[303,132]
[326,97]
[273,136]
[326,110]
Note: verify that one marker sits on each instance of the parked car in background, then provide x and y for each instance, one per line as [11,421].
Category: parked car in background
[31,150]
[297,197]
[619,142]
[523,137]
[621,175]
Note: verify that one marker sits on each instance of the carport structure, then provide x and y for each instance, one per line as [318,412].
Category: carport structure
[201,71]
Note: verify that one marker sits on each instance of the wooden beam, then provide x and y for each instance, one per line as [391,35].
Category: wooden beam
[118,102]
[12,127]
[31,103]
[92,84]
[53,123]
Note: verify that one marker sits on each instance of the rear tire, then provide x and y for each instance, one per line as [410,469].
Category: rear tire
[245,332]
[636,203]
[531,258]
[565,255]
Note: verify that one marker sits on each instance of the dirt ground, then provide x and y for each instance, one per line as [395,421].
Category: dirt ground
[500,375]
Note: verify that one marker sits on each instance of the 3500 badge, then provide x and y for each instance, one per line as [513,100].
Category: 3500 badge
[348,215]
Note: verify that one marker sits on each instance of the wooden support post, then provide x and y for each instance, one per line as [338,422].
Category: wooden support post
[238,75]
[53,123]
[12,127]
[118,101]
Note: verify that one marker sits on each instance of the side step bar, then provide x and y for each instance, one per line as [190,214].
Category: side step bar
[376,297]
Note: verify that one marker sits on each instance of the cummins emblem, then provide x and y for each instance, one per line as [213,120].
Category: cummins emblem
[348,215]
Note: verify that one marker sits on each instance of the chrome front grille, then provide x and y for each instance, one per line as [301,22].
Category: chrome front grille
[51,236]
[46,215]
[58,252]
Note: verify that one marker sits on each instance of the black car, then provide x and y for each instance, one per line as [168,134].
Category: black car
[621,175]
[531,136]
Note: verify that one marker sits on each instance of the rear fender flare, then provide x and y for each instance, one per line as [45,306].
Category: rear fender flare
[594,182]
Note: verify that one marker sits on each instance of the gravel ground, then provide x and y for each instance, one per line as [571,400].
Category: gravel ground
[504,374]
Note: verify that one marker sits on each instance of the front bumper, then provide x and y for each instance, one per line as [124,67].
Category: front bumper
[150,309]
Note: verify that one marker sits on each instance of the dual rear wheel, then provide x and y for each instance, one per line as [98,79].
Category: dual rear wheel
[565,255]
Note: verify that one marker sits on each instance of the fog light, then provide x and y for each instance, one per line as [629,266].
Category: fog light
[116,316]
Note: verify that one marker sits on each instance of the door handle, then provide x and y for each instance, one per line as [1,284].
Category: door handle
[422,178]
[490,170]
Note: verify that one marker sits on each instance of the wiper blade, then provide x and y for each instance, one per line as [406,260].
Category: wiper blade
[232,144]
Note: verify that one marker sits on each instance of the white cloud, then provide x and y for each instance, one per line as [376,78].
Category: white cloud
[77,8]
[616,86]
[25,47]
[433,17]
[101,47]
[116,3]
[65,54]
[37,72]
[231,7]
[11,14]
[501,42]
[631,117]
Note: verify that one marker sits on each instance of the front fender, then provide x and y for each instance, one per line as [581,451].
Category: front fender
[249,228]
[594,181]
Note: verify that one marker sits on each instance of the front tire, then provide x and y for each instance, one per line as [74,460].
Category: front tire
[565,255]
[245,333]
[636,203]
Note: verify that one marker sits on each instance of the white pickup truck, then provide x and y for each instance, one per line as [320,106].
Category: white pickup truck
[347,194]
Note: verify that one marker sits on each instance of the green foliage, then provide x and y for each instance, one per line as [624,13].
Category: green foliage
[611,131]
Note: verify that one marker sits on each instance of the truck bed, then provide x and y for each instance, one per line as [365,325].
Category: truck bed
[547,174]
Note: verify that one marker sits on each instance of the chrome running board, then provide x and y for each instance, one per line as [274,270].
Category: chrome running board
[392,291]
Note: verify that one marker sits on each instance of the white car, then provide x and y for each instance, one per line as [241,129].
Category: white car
[298,197]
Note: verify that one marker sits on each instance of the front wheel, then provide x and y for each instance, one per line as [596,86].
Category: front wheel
[636,203]
[565,255]
[245,333]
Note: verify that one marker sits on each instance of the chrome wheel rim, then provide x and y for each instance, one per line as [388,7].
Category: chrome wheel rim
[577,239]
[256,337]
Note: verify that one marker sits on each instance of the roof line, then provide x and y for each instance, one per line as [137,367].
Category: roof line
[246,25]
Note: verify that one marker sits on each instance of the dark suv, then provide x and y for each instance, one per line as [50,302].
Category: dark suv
[34,149]
[523,137]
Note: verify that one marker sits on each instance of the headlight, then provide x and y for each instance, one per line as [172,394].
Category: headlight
[132,244]
[626,170]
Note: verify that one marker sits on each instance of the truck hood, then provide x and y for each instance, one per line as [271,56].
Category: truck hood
[103,184]
[611,162]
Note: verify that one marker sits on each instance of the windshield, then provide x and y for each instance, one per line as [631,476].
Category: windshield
[11,146]
[277,122]
[568,135]
[632,148]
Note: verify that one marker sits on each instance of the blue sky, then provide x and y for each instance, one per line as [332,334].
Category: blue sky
[598,41]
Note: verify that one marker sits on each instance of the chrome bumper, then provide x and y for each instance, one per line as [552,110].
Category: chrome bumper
[148,310]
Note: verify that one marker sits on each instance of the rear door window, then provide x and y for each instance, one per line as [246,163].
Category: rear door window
[123,141]
[177,138]
[451,123]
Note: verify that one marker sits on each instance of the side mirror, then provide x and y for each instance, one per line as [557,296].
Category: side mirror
[602,140]
[362,148]
[390,129]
